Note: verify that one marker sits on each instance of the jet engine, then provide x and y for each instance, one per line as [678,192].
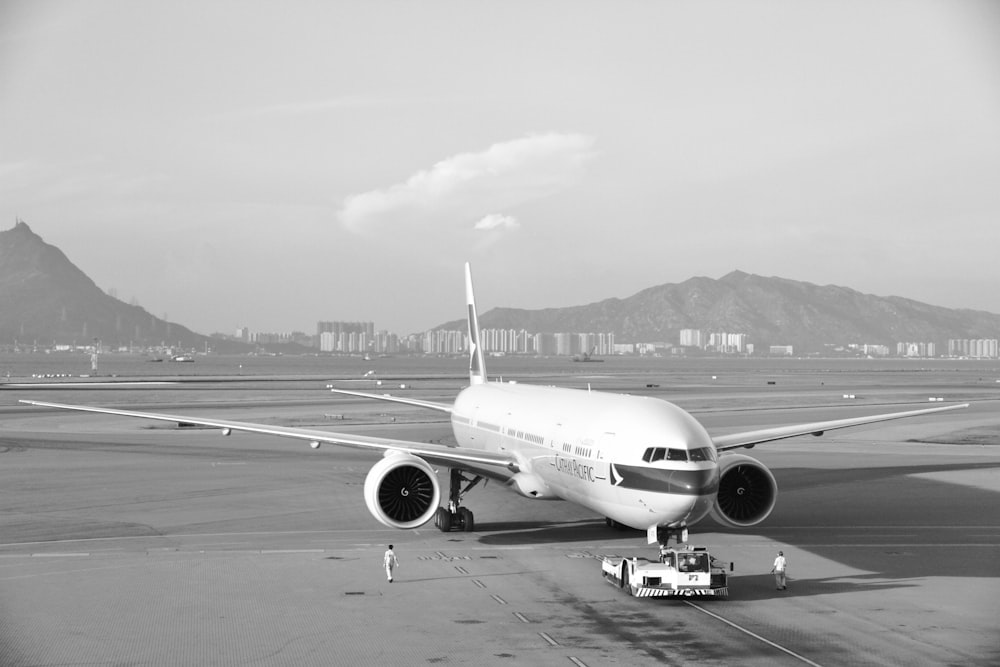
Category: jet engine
[402,491]
[747,491]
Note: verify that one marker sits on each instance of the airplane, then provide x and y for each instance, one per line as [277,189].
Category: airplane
[639,461]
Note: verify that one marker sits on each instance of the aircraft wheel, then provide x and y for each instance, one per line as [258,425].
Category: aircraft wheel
[443,520]
[466,520]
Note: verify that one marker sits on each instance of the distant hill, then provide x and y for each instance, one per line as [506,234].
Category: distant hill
[46,299]
[771,311]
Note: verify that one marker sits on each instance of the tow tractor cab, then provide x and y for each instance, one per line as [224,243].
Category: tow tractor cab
[682,571]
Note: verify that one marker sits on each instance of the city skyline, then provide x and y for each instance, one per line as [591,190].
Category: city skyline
[216,161]
[364,337]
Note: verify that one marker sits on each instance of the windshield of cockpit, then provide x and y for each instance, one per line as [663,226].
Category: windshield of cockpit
[653,454]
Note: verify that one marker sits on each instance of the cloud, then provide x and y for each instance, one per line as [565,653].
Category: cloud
[497,221]
[469,184]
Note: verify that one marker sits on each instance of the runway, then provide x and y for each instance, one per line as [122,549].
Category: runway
[125,544]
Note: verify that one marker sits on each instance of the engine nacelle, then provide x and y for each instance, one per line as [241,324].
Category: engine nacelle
[747,491]
[402,491]
[530,485]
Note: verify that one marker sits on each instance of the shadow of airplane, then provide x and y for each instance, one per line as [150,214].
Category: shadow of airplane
[755,587]
[466,576]
[515,533]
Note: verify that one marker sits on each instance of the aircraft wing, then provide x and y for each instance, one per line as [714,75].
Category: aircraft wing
[431,405]
[751,438]
[434,454]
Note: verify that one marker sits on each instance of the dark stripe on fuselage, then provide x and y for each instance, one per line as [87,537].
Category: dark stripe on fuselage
[660,480]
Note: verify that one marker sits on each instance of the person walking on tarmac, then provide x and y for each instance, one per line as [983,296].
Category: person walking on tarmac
[390,561]
[779,571]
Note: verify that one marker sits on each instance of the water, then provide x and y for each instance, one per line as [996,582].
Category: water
[30,365]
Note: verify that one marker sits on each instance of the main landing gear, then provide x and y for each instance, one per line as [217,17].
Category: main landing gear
[455,517]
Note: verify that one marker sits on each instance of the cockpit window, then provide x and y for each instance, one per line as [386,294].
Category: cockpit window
[654,454]
[702,454]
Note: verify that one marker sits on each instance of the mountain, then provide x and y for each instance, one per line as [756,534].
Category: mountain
[46,299]
[771,311]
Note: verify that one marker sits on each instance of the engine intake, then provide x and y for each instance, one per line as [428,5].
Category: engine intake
[402,491]
[747,491]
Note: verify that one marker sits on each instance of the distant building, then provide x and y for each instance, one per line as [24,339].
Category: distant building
[977,348]
[545,344]
[655,349]
[692,338]
[869,350]
[727,343]
[917,350]
[782,350]
[345,336]
[564,344]
[444,342]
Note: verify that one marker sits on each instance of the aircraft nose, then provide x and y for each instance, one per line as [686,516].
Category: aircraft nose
[695,482]
[689,482]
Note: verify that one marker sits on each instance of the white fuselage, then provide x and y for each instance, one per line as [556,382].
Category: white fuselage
[637,460]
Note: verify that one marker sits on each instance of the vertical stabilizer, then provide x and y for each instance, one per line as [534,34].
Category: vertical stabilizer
[477,369]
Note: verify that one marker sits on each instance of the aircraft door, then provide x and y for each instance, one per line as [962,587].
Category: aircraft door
[604,455]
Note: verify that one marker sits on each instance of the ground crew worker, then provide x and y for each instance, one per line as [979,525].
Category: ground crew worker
[390,561]
[779,571]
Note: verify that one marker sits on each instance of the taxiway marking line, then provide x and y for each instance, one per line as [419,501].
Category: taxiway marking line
[306,533]
[550,640]
[499,599]
[576,661]
[85,385]
[58,555]
[521,617]
[753,634]
[882,545]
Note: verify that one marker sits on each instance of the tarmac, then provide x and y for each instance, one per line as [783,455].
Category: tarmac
[122,544]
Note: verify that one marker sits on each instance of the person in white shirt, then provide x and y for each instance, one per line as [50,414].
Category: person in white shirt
[779,571]
[390,561]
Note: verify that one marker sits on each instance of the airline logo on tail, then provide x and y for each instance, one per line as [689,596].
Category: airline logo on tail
[477,369]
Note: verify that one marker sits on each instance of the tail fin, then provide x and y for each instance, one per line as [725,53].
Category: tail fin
[477,369]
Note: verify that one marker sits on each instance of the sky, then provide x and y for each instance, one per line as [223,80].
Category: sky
[271,165]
